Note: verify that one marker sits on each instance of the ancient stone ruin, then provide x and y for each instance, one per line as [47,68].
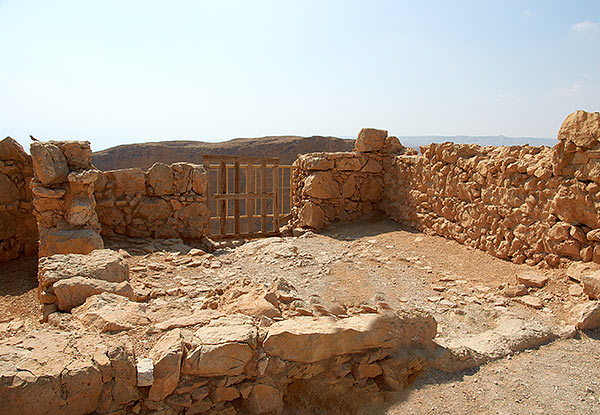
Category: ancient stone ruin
[138,317]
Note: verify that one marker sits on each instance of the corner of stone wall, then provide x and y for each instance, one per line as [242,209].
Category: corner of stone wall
[521,203]
[63,197]
[18,231]
[332,187]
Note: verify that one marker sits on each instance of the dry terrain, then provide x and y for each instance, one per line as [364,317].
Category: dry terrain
[356,266]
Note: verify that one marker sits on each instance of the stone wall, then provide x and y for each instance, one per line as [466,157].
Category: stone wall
[521,203]
[164,202]
[63,197]
[18,230]
[332,187]
[230,365]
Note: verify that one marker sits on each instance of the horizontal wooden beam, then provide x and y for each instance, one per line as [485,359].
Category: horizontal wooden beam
[240,159]
[242,235]
[238,196]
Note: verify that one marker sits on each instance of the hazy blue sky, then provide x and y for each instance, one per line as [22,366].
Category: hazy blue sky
[126,71]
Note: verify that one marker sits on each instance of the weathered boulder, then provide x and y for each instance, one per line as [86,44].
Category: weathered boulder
[67,241]
[166,355]
[160,179]
[321,185]
[591,284]
[587,315]
[10,149]
[582,128]
[309,340]
[532,279]
[370,139]
[49,163]
[107,312]
[73,292]
[221,348]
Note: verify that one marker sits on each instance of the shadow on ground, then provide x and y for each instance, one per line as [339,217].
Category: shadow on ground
[18,276]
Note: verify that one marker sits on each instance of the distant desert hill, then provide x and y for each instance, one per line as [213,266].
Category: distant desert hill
[287,148]
[144,155]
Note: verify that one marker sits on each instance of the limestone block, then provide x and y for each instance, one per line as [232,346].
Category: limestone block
[317,162]
[108,312]
[166,355]
[311,215]
[72,292]
[49,163]
[309,340]
[370,139]
[349,164]
[78,154]
[591,284]
[199,180]
[145,372]
[222,348]
[321,185]
[581,128]
[160,179]
[153,209]
[127,181]
[102,264]
[76,241]
[587,316]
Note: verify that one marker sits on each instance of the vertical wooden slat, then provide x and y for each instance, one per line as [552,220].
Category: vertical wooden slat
[250,202]
[236,202]
[292,190]
[208,190]
[275,198]
[223,189]
[263,202]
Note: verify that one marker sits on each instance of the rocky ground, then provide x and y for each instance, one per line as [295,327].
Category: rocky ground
[357,268]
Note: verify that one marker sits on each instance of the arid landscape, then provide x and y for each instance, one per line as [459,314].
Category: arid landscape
[464,279]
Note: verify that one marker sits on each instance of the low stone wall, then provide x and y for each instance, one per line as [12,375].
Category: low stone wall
[228,366]
[331,187]
[164,202]
[18,230]
[521,203]
[495,198]
[63,197]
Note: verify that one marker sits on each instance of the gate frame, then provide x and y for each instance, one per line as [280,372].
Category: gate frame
[222,194]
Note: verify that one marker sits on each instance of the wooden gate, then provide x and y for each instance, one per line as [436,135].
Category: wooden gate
[248,197]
